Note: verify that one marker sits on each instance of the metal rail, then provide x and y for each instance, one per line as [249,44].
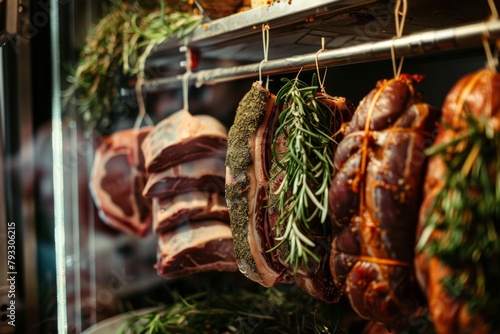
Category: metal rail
[416,44]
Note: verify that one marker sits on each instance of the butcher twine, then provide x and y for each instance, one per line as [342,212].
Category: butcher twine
[364,158]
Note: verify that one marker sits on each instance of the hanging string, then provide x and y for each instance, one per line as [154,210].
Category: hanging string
[142,115]
[185,89]
[321,81]
[265,48]
[399,19]
[491,59]
[493,9]
[185,77]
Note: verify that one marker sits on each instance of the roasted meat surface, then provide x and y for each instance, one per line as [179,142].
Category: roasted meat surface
[477,95]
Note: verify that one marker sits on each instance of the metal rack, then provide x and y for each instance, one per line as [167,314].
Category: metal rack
[448,39]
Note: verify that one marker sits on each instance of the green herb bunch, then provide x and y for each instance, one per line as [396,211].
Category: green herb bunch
[302,198]
[240,311]
[120,44]
[466,215]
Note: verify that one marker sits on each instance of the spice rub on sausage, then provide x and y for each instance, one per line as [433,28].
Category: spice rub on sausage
[374,201]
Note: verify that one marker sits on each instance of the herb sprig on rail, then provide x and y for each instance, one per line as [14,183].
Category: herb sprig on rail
[121,42]
[304,125]
[466,215]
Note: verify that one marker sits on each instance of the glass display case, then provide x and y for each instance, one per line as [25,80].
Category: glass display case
[64,268]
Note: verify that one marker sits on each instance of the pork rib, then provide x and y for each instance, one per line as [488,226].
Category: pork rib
[117,180]
[374,202]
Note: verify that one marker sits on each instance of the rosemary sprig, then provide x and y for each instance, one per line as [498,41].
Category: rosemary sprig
[121,41]
[302,197]
[466,215]
[240,311]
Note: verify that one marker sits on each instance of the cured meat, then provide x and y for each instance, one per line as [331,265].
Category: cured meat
[476,95]
[252,176]
[374,200]
[317,281]
[195,247]
[117,179]
[170,212]
[205,175]
[315,278]
[181,138]
[247,166]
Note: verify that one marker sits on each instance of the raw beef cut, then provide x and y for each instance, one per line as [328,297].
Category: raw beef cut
[204,175]
[182,137]
[195,247]
[170,212]
[117,180]
[375,198]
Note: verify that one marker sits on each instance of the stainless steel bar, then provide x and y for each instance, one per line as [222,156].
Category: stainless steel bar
[58,172]
[416,44]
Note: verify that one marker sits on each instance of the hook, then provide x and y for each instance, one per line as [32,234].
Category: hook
[321,81]
[265,47]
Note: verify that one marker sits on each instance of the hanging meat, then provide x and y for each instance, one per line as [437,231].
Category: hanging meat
[458,249]
[181,138]
[192,206]
[117,180]
[249,140]
[374,201]
[256,169]
[185,155]
[195,247]
[206,175]
[307,131]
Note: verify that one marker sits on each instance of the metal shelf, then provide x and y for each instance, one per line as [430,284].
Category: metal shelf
[297,27]
[415,44]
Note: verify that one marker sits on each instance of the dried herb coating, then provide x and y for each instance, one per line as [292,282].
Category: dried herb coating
[249,115]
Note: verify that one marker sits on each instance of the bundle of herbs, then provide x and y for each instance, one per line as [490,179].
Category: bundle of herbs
[308,126]
[461,226]
[467,213]
[118,46]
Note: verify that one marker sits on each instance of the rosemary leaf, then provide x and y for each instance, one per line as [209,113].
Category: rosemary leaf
[466,213]
[302,197]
